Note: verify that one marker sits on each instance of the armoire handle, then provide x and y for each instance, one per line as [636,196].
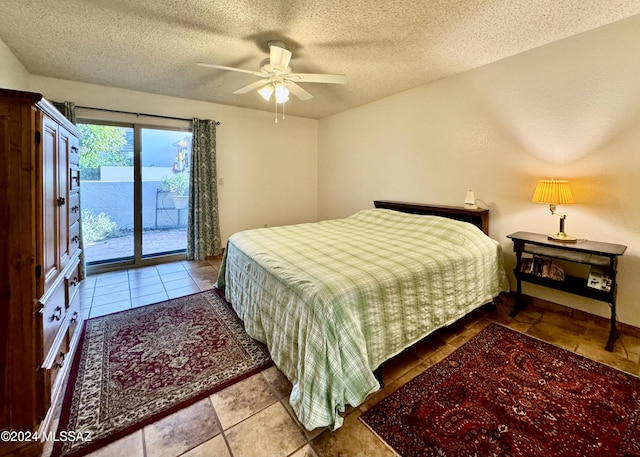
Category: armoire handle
[61,362]
[57,314]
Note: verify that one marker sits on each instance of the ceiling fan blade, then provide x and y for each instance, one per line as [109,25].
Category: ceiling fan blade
[279,57]
[252,86]
[239,70]
[298,91]
[317,78]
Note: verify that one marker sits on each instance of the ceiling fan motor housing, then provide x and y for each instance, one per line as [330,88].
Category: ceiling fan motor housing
[265,65]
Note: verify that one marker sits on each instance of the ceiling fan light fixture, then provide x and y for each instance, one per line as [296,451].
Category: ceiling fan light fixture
[282,93]
[266,91]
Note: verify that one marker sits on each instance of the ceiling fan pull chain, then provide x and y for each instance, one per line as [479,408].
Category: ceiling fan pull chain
[276,103]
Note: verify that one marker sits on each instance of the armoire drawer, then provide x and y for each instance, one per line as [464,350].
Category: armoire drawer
[72,279]
[74,207]
[74,237]
[53,314]
[74,153]
[74,178]
[61,358]
[73,314]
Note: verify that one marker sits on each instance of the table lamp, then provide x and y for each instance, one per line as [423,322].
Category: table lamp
[555,192]
[470,200]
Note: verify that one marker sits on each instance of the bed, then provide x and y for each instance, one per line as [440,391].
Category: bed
[333,300]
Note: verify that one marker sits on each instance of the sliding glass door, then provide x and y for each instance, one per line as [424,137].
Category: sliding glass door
[165,190]
[134,186]
[106,173]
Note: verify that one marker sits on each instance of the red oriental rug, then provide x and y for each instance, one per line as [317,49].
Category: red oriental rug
[506,394]
[139,365]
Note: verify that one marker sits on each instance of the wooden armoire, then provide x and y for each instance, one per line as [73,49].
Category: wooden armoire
[39,259]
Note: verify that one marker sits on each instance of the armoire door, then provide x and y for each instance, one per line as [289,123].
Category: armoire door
[50,203]
[62,199]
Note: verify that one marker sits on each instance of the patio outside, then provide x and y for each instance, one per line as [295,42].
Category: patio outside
[155,241]
[110,179]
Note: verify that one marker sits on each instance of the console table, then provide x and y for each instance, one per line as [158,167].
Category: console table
[602,256]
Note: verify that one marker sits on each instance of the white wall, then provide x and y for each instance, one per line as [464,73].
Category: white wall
[570,109]
[13,75]
[267,170]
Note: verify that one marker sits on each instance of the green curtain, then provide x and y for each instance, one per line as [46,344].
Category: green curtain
[68,110]
[203,232]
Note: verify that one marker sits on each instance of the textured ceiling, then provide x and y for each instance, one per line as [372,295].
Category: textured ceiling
[384,47]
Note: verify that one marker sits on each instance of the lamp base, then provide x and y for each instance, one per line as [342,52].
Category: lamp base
[561,236]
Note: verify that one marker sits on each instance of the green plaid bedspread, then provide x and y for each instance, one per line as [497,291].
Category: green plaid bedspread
[334,299]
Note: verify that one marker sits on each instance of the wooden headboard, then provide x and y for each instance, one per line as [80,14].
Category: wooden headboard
[478,217]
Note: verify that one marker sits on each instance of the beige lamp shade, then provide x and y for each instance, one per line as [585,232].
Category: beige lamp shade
[552,191]
[470,200]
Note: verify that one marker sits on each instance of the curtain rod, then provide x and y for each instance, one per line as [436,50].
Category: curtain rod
[138,114]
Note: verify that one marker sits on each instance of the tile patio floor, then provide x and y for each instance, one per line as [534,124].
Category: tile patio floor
[153,241]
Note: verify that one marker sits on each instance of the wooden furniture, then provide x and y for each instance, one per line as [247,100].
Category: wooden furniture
[589,253]
[478,217]
[39,256]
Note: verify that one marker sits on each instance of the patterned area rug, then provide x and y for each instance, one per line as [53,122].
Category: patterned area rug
[506,394]
[139,365]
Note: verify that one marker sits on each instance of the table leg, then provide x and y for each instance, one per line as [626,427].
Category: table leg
[519,304]
[613,332]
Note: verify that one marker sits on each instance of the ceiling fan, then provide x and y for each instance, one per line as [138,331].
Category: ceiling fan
[277,76]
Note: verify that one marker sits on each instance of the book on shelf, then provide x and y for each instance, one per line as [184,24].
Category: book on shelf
[526,264]
[599,279]
[541,266]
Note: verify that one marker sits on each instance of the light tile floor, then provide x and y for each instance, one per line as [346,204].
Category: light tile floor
[253,417]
